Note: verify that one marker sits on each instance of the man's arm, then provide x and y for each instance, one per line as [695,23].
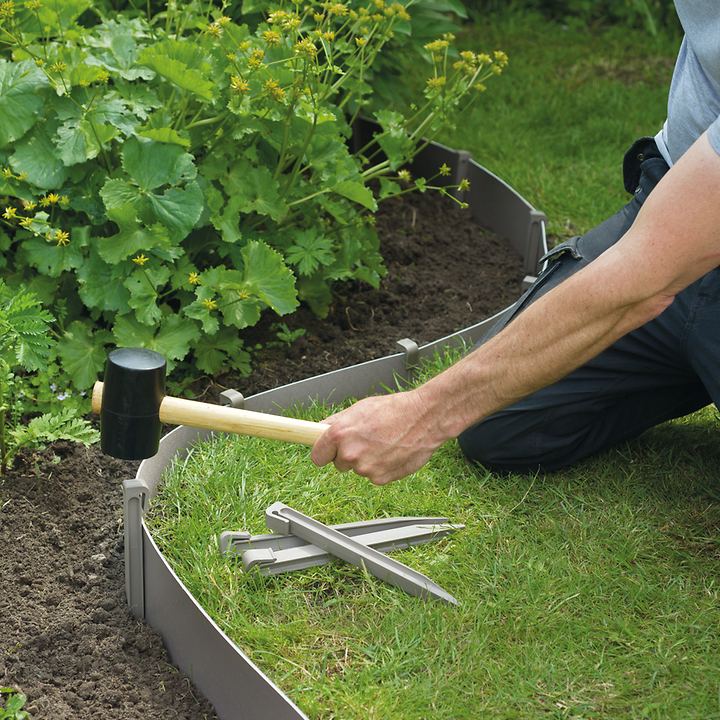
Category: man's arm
[674,240]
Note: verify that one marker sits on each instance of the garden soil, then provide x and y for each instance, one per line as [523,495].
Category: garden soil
[67,639]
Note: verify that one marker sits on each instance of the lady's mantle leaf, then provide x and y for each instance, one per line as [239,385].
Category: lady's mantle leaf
[152,164]
[182,64]
[36,156]
[267,276]
[83,353]
[173,339]
[310,251]
[357,192]
[178,209]
[20,98]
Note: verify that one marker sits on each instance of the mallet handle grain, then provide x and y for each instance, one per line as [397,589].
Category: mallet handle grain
[177,411]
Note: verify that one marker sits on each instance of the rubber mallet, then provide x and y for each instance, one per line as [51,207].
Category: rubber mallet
[133,406]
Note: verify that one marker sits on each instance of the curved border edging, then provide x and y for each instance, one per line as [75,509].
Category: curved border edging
[234,685]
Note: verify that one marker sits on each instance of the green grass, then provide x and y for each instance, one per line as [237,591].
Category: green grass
[556,124]
[591,593]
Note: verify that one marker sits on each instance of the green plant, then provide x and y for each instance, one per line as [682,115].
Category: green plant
[175,175]
[11,704]
[26,344]
[286,336]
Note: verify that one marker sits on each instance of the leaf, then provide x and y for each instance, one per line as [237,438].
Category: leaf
[50,427]
[165,135]
[79,140]
[223,350]
[144,286]
[182,64]
[172,340]
[82,351]
[310,251]
[21,99]
[118,49]
[394,140]
[119,193]
[25,328]
[198,311]
[152,164]
[101,285]
[357,192]
[254,189]
[267,276]
[49,258]
[178,209]
[36,156]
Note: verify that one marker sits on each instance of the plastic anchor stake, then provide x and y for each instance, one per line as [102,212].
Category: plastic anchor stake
[412,354]
[273,560]
[282,518]
[135,493]
[233,398]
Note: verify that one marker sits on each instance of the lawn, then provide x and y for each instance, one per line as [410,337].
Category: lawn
[590,593]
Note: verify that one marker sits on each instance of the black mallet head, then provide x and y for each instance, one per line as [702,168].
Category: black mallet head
[133,389]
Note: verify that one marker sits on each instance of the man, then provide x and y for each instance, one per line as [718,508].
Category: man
[620,332]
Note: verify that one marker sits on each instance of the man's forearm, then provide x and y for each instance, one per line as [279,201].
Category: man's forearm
[555,335]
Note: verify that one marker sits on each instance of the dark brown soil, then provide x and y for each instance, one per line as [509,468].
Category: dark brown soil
[66,637]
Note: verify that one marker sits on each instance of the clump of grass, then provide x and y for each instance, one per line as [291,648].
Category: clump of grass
[588,593]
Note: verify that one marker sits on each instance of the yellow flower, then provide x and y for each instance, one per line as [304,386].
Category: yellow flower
[277,16]
[59,66]
[232,57]
[377,17]
[464,185]
[338,9]
[445,170]
[244,46]
[243,294]
[404,175]
[480,87]
[64,200]
[271,37]
[26,222]
[7,9]
[140,259]
[62,238]
[214,29]
[306,48]
[256,59]
[291,23]
[223,20]
[328,35]
[435,83]
[33,4]
[209,304]
[10,213]
[379,4]
[239,85]
[103,76]
[29,205]
[482,58]
[361,41]
[501,58]
[194,278]
[318,17]
[52,198]
[274,90]
[436,46]
[7,174]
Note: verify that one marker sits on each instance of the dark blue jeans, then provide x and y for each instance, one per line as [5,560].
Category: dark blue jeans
[664,369]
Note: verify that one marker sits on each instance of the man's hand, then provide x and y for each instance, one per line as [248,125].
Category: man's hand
[382,438]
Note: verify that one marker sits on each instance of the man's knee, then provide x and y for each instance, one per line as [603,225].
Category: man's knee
[517,442]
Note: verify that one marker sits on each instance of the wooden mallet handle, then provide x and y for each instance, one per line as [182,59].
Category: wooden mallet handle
[176,411]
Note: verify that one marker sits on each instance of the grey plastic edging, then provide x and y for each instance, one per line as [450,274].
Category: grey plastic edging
[234,685]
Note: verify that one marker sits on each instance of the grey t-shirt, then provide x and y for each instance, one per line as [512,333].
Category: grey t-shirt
[694,99]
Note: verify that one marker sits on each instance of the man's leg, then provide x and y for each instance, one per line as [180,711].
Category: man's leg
[642,380]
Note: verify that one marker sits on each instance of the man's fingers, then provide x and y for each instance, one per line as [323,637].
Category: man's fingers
[324,450]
